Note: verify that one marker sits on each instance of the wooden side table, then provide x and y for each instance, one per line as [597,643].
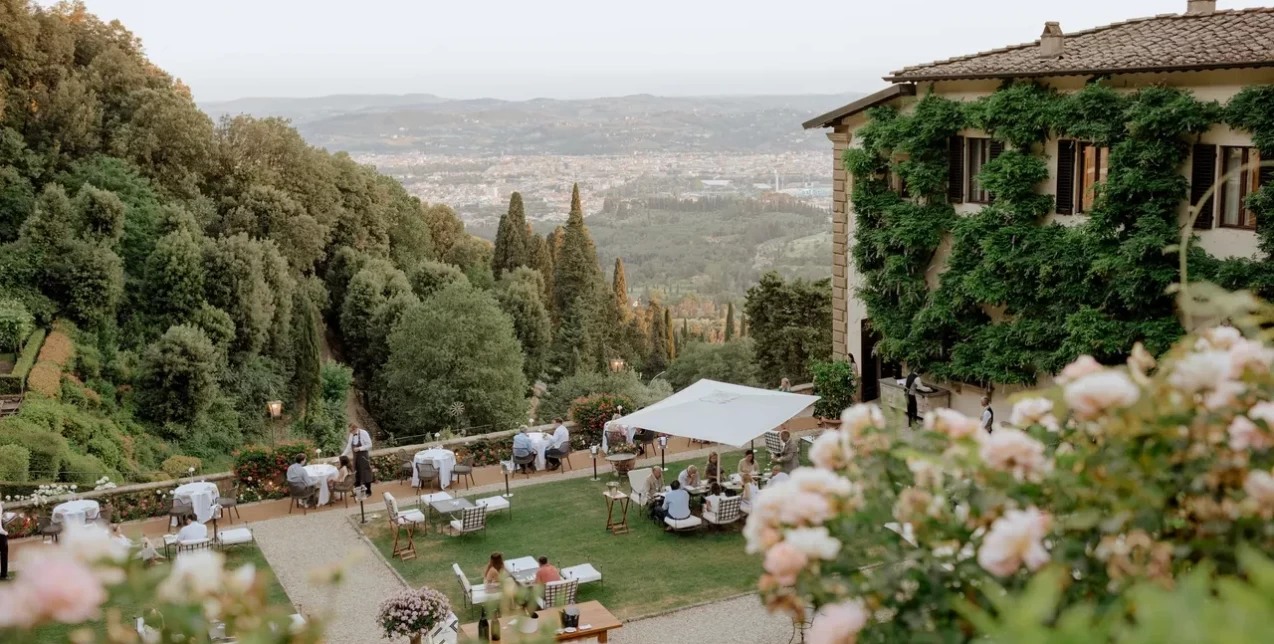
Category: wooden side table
[614,498]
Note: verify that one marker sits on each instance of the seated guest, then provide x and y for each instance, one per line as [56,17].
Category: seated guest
[343,472]
[777,475]
[118,537]
[749,493]
[493,575]
[561,445]
[676,504]
[748,464]
[304,485]
[546,572]
[523,448]
[689,477]
[714,497]
[654,484]
[712,471]
[193,531]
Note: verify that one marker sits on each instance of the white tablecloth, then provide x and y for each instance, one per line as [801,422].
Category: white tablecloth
[202,496]
[80,511]
[540,442]
[629,433]
[443,460]
[322,472]
[522,569]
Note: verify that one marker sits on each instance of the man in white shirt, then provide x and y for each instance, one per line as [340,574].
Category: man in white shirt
[988,415]
[192,531]
[561,445]
[304,486]
[676,504]
[358,447]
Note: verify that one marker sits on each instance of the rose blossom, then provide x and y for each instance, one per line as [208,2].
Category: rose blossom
[806,508]
[1245,434]
[1219,337]
[1202,371]
[1015,539]
[1259,486]
[193,575]
[815,543]
[839,623]
[950,422]
[832,450]
[859,417]
[63,590]
[1248,354]
[1034,411]
[1014,451]
[1082,366]
[1090,396]
[785,562]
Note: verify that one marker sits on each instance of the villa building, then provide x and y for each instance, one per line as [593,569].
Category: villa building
[1212,53]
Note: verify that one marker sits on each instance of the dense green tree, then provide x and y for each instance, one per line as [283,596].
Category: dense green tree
[671,332]
[240,289]
[51,223]
[542,261]
[410,238]
[89,280]
[729,322]
[726,362]
[307,360]
[369,292]
[657,358]
[345,263]
[458,348]
[430,277]
[557,402]
[217,325]
[177,377]
[17,199]
[16,323]
[512,241]
[445,228]
[791,323]
[519,295]
[100,216]
[174,283]
[743,326]
[473,256]
[575,267]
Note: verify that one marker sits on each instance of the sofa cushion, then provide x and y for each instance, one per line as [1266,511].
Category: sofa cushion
[426,499]
[494,503]
[584,573]
[412,516]
[683,524]
[234,537]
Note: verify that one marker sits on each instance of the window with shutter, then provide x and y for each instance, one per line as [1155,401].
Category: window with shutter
[1092,162]
[1202,176]
[1240,177]
[955,169]
[979,153]
[1065,177]
[997,149]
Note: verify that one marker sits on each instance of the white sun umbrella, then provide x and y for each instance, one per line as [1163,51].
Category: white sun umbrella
[720,412]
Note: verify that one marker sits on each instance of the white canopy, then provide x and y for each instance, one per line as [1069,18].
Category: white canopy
[719,412]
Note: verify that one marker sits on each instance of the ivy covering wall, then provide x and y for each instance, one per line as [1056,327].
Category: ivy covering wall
[1018,297]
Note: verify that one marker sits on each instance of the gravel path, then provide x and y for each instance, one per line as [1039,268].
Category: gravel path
[742,620]
[298,544]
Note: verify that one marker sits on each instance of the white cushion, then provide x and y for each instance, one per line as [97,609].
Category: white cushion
[193,542]
[638,497]
[745,507]
[479,594]
[170,539]
[683,524]
[234,537]
[412,516]
[494,503]
[711,517]
[584,573]
[426,499]
[457,525]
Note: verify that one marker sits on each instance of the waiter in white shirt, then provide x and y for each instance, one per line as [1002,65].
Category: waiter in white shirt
[359,448]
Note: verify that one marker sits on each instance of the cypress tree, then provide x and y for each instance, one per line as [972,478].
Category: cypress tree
[729,322]
[308,351]
[542,261]
[743,326]
[575,268]
[512,244]
[672,345]
[619,284]
[657,360]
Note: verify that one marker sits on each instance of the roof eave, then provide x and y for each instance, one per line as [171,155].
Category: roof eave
[865,103]
[930,78]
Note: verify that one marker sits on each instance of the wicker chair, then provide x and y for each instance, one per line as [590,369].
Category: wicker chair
[404,465]
[645,438]
[562,455]
[49,529]
[230,503]
[300,495]
[344,487]
[525,463]
[427,472]
[464,469]
[177,513]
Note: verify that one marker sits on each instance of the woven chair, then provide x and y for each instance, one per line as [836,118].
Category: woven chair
[560,593]
[645,438]
[105,514]
[727,511]
[344,488]
[774,444]
[463,469]
[471,520]
[178,511]
[404,465]
[525,463]
[299,495]
[49,529]
[562,455]
[398,521]
[230,503]
[427,472]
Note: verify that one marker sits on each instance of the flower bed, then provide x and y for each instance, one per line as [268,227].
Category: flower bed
[591,413]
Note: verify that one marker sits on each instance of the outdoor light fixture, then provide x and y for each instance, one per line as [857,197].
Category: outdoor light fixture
[663,448]
[507,466]
[616,364]
[593,449]
[275,407]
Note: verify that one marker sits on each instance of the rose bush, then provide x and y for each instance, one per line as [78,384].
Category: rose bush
[1118,477]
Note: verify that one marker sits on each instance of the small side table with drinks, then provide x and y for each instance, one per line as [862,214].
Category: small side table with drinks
[589,620]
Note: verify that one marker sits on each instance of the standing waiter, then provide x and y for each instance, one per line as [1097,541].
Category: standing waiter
[359,447]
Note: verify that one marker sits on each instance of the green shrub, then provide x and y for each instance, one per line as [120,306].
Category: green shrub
[48,414]
[84,469]
[47,449]
[591,414]
[557,403]
[104,448]
[16,324]
[179,466]
[13,382]
[15,463]
[834,383]
[74,394]
[88,361]
[336,380]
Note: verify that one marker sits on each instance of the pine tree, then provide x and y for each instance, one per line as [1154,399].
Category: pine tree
[729,322]
[657,359]
[672,345]
[685,333]
[619,284]
[308,350]
[575,268]
[512,243]
[542,261]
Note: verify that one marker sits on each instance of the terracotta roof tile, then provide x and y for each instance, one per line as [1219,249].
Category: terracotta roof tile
[1237,38]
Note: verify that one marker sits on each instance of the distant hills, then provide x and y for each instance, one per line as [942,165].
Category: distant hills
[616,125]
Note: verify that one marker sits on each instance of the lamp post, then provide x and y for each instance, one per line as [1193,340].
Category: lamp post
[616,365]
[275,409]
[506,467]
[663,449]
[360,494]
[593,449]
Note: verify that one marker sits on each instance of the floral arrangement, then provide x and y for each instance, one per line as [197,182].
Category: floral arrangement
[1115,479]
[80,578]
[412,612]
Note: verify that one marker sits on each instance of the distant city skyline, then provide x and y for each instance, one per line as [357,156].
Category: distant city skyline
[580,48]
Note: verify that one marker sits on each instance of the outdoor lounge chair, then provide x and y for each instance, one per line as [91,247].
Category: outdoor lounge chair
[474,596]
[637,483]
[727,511]
[471,520]
[559,593]
[400,521]
[495,504]
[583,573]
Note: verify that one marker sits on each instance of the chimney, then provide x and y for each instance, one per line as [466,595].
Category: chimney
[1200,7]
[1052,40]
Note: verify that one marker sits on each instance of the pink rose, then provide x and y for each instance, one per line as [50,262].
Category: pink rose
[785,563]
[839,623]
[1082,366]
[65,591]
[1014,451]
[1090,396]
[1245,435]
[1259,486]
[951,422]
[1015,539]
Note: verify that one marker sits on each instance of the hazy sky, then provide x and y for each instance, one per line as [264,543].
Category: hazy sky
[519,49]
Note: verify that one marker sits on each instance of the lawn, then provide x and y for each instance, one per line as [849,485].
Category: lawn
[645,571]
[59,633]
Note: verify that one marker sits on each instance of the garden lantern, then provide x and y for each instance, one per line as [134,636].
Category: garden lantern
[275,407]
[616,365]
[663,448]
[593,450]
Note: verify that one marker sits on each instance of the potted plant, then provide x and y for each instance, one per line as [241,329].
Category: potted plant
[413,614]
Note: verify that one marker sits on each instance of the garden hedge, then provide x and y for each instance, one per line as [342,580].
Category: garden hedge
[15,381]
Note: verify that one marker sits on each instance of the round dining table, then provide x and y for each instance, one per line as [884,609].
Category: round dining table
[202,496]
[79,511]
[443,460]
[322,472]
[540,442]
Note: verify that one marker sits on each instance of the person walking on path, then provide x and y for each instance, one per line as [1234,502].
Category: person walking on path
[359,447]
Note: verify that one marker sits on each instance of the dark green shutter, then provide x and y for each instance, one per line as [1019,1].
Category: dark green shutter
[1066,177]
[1202,176]
[955,169]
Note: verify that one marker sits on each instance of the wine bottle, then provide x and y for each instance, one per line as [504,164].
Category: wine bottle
[495,627]
[484,627]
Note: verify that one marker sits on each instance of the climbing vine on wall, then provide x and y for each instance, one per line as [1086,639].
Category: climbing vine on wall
[1019,297]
